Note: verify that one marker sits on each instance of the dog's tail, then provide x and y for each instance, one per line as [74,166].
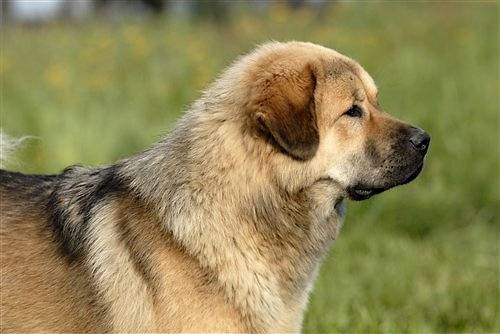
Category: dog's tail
[8,146]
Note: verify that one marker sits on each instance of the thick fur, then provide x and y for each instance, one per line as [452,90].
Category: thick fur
[221,226]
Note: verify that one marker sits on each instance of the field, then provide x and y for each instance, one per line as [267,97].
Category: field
[422,258]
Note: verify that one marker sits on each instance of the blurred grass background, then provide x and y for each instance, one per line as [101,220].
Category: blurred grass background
[421,258]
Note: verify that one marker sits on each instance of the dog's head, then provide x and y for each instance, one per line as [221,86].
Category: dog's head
[318,110]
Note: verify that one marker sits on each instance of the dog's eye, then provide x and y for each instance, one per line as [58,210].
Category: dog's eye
[355,111]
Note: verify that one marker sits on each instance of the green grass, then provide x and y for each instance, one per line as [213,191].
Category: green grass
[421,258]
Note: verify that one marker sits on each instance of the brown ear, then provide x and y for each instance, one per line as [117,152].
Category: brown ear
[285,112]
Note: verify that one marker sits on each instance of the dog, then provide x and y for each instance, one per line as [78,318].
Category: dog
[222,225]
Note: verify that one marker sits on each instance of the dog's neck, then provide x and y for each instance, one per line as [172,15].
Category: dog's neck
[263,243]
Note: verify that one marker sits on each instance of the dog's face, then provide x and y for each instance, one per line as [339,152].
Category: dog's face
[320,108]
[368,150]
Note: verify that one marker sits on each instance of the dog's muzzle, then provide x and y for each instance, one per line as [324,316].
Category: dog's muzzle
[415,145]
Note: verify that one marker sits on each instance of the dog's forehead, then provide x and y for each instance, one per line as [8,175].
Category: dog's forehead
[347,67]
[368,84]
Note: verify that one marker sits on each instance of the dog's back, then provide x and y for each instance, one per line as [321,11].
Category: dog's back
[40,288]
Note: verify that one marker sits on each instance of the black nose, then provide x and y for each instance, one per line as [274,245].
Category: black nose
[420,140]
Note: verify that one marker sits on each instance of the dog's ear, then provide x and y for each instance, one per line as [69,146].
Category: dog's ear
[284,111]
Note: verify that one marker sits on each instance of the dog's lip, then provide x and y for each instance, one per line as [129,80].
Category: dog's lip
[360,192]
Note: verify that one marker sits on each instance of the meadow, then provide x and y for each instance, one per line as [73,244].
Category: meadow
[421,258]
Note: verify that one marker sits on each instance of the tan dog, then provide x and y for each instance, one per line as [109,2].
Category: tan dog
[219,227]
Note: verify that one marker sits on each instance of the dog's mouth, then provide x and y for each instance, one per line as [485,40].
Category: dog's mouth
[362,192]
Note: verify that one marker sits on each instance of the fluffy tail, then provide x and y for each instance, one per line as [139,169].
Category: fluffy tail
[7,147]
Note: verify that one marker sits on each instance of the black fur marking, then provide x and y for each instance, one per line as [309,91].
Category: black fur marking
[110,183]
[9,178]
[66,240]
[70,224]
[25,186]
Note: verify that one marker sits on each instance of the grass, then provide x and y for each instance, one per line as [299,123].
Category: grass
[421,258]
